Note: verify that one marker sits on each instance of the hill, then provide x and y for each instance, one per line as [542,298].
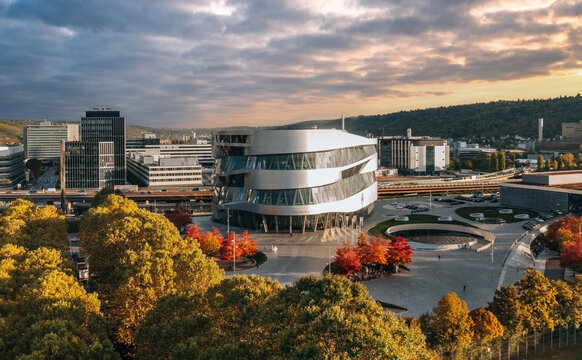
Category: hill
[496,118]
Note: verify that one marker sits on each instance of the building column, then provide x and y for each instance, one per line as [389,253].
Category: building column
[265,223]
[304,221]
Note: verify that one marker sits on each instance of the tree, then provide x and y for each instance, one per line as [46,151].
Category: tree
[399,252]
[373,251]
[35,166]
[347,260]
[449,325]
[32,226]
[569,303]
[485,325]
[508,309]
[102,194]
[180,216]
[139,258]
[540,163]
[571,255]
[563,231]
[44,312]
[494,162]
[547,165]
[467,164]
[538,297]
[555,165]
[231,248]
[502,160]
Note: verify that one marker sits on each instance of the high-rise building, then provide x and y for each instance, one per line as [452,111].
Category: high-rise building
[43,141]
[11,165]
[104,125]
[98,160]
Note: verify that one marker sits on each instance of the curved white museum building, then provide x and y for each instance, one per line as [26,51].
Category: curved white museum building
[301,180]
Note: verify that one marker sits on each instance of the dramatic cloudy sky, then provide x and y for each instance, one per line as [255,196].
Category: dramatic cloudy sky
[206,63]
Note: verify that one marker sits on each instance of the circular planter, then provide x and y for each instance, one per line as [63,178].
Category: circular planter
[401,218]
[506,211]
[477,215]
[522,216]
[445,218]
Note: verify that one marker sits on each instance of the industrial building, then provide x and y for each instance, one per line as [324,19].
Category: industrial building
[413,154]
[11,165]
[43,141]
[202,150]
[160,171]
[293,180]
[546,191]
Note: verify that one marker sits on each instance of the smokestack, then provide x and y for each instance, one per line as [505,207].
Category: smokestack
[540,129]
[343,122]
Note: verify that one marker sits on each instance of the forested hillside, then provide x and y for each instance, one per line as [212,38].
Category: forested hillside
[483,119]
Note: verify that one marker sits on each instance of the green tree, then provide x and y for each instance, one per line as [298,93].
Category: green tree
[494,162]
[540,163]
[44,311]
[102,194]
[35,166]
[449,325]
[547,165]
[454,164]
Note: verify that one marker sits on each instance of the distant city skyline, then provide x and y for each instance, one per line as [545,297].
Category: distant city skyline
[210,63]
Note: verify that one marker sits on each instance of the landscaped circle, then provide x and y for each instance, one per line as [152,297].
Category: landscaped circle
[445,218]
[401,218]
[522,216]
[506,211]
[495,212]
[477,215]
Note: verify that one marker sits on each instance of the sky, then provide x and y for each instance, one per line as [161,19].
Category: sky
[216,63]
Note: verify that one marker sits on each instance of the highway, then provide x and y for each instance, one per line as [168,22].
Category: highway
[86,196]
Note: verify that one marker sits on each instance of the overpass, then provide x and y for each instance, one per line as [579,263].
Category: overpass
[87,196]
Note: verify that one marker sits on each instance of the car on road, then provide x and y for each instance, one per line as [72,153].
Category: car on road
[82,192]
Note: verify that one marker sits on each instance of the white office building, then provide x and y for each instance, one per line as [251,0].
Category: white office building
[43,141]
[163,171]
[202,150]
[293,180]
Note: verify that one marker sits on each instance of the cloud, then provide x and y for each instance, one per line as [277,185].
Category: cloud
[207,61]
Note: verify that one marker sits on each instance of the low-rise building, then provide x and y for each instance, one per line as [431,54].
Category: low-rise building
[11,165]
[202,150]
[413,154]
[163,171]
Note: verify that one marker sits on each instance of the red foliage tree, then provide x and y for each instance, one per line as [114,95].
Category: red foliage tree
[347,260]
[193,232]
[563,231]
[179,216]
[399,252]
[571,255]
[373,250]
[228,251]
[247,244]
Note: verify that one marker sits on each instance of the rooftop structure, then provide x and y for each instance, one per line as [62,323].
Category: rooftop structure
[163,171]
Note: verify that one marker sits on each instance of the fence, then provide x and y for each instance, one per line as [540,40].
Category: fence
[519,348]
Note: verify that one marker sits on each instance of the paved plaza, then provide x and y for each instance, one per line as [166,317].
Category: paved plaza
[473,276]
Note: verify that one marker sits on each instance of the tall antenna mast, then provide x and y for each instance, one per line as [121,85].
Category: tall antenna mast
[343,122]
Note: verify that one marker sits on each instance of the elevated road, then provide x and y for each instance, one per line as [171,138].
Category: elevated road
[139,196]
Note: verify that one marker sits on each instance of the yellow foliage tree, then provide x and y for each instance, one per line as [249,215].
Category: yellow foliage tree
[485,325]
[538,296]
[32,226]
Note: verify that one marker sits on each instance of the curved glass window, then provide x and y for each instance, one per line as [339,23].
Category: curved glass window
[292,197]
[297,161]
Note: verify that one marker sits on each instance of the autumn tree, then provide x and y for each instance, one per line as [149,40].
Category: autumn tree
[568,311]
[508,309]
[540,163]
[44,312]
[537,295]
[571,255]
[502,160]
[399,253]
[231,248]
[180,216]
[139,258]
[485,325]
[102,195]
[373,250]
[32,226]
[563,231]
[449,324]
[247,244]
[347,260]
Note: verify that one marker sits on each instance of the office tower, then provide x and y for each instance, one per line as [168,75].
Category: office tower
[104,125]
[11,165]
[43,141]
[89,165]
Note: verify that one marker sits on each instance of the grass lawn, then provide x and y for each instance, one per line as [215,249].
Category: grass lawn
[380,229]
[493,211]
